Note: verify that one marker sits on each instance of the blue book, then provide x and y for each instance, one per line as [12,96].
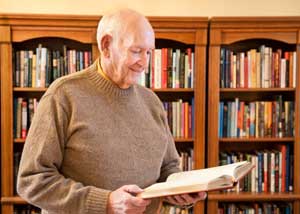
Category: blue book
[220,121]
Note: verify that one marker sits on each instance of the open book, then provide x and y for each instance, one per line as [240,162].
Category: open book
[215,178]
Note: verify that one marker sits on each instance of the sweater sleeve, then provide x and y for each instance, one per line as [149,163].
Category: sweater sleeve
[39,180]
[171,157]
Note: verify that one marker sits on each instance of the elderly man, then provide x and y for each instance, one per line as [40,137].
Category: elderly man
[97,138]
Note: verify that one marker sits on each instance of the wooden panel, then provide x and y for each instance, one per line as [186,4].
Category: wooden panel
[49,20]
[20,34]
[231,36]
[4,34]
[212,207]
[95,52]
[179,23]
[7,209]
[248,196]
[297,128]
[199,207]
[13,200]
[6,120]
[184,37]
[213,105]
[199,118]
[255,22]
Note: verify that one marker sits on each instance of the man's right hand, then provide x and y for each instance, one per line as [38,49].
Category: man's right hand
[123,201]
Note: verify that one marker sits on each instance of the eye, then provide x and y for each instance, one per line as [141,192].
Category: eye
[136,51]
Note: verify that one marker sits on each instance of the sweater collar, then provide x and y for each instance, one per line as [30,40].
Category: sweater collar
[106,85]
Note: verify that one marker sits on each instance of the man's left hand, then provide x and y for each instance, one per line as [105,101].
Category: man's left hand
[186,199]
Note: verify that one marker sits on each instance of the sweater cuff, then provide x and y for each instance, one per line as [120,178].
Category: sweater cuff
[96,201]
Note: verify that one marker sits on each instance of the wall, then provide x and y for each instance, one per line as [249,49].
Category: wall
[157,7]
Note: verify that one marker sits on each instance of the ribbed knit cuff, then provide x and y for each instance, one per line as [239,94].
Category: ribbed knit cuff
[96,201]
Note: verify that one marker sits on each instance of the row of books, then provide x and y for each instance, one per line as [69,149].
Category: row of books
[169,68]
[187,160]
[169,209]
[24,109]
[256,119]
[273,170]
[26,209]
[262,68]
[256,208]
[40,67]
[179,113]
[180,118]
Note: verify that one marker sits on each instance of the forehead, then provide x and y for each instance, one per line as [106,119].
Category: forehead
[139,37]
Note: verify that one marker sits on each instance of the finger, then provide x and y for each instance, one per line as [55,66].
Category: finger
[202,195]
[198,196]
[180,200]
[188,198]
[171,200]
[139,202]
[132,189]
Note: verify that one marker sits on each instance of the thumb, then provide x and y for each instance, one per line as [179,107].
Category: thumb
[132,189]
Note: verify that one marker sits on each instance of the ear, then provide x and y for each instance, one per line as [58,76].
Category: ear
[105,45]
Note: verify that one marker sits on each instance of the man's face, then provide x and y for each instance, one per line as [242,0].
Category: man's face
[130,55]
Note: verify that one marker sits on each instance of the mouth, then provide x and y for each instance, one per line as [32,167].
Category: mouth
[137,71]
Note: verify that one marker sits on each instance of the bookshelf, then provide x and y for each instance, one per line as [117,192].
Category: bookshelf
[241,34]
[26,31]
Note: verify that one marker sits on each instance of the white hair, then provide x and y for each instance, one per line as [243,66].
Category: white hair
[116,23]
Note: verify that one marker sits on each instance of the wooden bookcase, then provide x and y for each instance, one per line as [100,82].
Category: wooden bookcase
[21,29]
[244,33]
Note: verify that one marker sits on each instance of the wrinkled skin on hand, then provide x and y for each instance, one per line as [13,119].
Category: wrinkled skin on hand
[123,201]
[186,199]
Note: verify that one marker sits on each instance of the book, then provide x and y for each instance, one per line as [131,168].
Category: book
[214,178]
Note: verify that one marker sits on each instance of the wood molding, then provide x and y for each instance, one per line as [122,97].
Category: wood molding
[5,34]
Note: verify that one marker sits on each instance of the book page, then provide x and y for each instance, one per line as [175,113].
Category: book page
[205,175]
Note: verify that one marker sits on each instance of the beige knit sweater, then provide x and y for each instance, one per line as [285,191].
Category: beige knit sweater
[89,137]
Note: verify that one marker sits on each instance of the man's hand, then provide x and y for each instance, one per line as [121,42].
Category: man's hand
[123,201]
[186,199]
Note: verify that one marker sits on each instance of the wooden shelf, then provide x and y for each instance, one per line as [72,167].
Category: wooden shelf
[13,200]
[256,90]
[19,140]
[168,90]
[28,89]
[261,139]
[183,140]
[246,196]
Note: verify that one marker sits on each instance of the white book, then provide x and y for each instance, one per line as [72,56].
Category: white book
[193,70]
[233,72]
[242,71]
[43,67]
[214,178]
[294,69]
[157,68]
[38,65]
